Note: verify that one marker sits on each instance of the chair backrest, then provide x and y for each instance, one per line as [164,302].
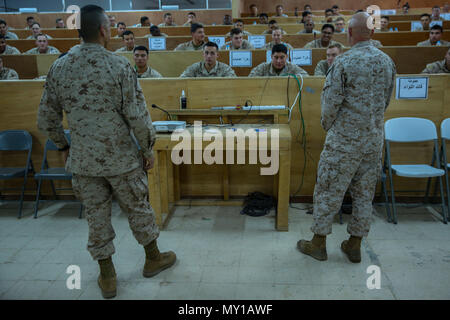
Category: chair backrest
[15,140]
[445,129]
[409,130]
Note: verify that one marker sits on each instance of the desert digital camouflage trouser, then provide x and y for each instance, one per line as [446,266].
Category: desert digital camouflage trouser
[130,190]
[338,171]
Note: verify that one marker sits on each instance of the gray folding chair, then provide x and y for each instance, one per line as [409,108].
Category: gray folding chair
[445,136]
[51,174]
[17,140]
[404,130]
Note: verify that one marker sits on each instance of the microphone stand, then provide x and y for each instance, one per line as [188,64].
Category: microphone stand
[156,107]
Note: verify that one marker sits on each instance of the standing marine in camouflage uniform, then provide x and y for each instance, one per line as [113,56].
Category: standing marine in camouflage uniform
[5,49]
[237,42]
[323,65]
[104,103]
[140,56]
[279,65]
[209,67]
[198,39]
[442,66]
[42,46]
[355,96]
[7,73]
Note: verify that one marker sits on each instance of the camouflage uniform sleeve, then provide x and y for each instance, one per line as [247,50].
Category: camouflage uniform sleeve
[189,72]
[13,36]
[180,47]
[332,95]
[257,71]
[309,45]
[135,112]
[229,72]
[390,89]
[428,69]
[319,70]
[156,74]
[301,71]
[14,75]
[50,114]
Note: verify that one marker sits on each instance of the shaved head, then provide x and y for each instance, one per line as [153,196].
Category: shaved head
[360,28]
[93,18]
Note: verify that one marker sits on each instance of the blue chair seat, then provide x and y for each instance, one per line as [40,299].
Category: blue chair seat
[417,171]
[9,173]
[53,174]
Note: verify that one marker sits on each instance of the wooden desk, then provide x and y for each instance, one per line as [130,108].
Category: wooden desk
[231,116]
[164,184]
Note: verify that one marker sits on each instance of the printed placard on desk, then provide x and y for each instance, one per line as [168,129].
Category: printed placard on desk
[257,41]
[416,25]
[220,41]
[412,88]
[388,12]
[445,16]
[432,23]
[269,56]
[157,43]
[240,58]
[301,57]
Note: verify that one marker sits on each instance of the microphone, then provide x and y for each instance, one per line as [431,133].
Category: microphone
[315,44]
[156,107]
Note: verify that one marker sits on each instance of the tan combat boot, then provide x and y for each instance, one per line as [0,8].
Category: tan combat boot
[156,261]
[107,278]
[352,248]
[315,248]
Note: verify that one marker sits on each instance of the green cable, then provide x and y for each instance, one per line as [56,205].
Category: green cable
[303,128]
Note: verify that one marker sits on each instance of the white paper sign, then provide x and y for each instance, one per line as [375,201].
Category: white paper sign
[388,12]
[220,41]
[416,26]
[269,56]
[412,88]
[432,23]
[445,16]
[301,57]
[240,58]
[257,41]
[157,43]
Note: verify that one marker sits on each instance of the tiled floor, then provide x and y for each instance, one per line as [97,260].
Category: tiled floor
[224,255]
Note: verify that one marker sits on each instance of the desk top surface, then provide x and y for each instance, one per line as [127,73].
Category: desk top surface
[166,141]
